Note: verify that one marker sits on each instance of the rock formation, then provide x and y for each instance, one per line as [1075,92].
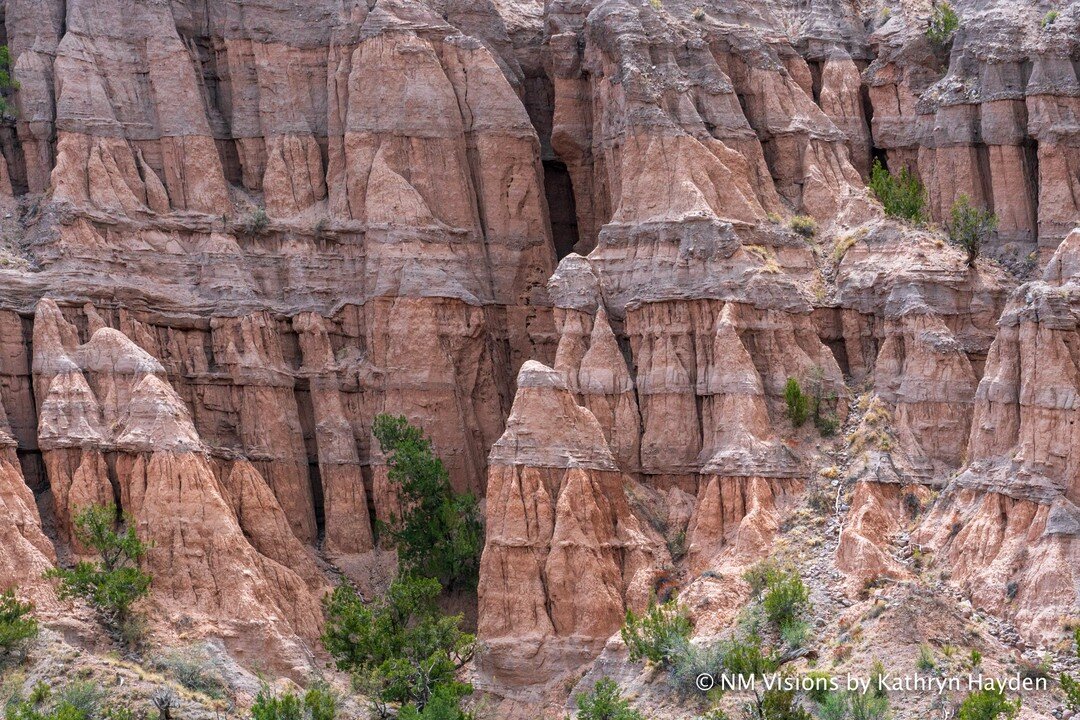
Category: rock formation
[1010,526]
[584,244]
[565,553]
[112,430]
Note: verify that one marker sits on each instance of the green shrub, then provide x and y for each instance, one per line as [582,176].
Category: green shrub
[833,706]
[384,644]
[693,661]
[943,23]
[17,626]
[748,657]
[1071,688]
[785,600]
[605,703]
[40,692]
[1050,18]
[853,705]
[820,690]
[115,583]
[83,697]
[803,225]
[777,704]
[798,403]
[716,714]
[445,704]
[762,575]
[320,702]
[925,661]
[1076,640]
[439,534]
[23,710]
[969,226]
[901,195]
[1011,589]
[868,706]
[877,679]
[268,706]
[826,423]
[988,704]
[794,633]
[659,635]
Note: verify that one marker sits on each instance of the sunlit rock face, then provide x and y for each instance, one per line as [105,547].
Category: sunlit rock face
[560,237]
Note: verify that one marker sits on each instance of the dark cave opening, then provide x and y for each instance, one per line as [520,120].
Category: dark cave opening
[306,414]
[317,498]
[561,207]
[880,154]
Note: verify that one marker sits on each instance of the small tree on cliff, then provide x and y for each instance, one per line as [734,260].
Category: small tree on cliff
[7,82]
[115,583]
[969,226]
[439,534]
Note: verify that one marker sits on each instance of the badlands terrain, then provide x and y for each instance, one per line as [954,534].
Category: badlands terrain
[583,245]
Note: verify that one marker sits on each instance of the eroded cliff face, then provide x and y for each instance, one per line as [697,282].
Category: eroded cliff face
[1008,527]
[556,237]
[996,126]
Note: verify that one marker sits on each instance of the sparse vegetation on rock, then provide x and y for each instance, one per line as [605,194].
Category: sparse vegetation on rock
[970,226]
[902,195]
[192,668]
[943,23]
[803,225]
[256,222]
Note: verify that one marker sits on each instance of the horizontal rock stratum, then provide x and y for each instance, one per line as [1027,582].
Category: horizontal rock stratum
[584,245]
